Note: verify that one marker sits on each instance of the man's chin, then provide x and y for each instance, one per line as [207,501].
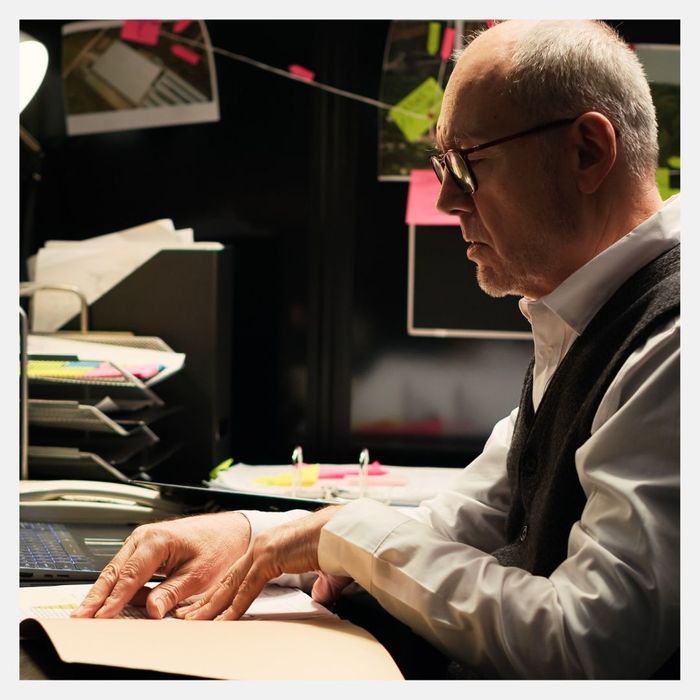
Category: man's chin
[490,284]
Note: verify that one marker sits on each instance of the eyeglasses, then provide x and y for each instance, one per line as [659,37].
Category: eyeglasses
[457,164]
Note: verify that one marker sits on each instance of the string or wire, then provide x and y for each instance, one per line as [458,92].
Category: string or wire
[291,76]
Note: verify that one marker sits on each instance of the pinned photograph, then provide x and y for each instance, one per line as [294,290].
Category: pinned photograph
[131,74]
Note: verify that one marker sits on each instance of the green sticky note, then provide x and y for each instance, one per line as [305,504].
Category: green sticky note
[425,100]
[663,181]
[220,468]
[433,38]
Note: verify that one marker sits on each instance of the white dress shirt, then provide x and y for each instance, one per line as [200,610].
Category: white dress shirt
[611,609]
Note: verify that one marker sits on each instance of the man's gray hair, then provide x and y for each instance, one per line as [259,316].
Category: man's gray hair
[565,68]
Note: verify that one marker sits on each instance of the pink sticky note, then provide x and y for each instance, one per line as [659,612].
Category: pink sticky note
[301,72]
[448,42]
[423,192]
[104,371]
[185,54]
[141,31]
[332,471]
[381,481]
[143,371]
[181,25]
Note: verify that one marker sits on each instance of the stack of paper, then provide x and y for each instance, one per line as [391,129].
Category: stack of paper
[97,264]
[273,603]
[338,483]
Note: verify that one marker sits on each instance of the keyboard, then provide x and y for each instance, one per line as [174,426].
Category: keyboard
[50,546]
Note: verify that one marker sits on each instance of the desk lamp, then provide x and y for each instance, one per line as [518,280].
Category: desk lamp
[33,61]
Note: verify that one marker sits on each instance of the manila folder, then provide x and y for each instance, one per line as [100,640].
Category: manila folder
[312,649]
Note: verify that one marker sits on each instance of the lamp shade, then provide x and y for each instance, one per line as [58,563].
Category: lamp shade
[33,61]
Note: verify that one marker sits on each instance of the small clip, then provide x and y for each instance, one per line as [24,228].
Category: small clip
[364,468]
[297,465]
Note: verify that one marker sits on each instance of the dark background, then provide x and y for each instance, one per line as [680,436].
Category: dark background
[288,179]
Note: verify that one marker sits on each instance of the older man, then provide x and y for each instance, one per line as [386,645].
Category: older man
[556,553]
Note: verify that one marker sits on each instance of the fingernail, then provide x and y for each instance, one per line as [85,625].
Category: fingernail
[159,607]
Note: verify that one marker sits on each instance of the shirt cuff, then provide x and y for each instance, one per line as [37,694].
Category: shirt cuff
[351,537]
[263,520]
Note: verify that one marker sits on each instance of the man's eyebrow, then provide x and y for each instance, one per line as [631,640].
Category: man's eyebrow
[457,140]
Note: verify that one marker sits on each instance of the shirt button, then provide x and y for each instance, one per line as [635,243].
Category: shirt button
[523,534]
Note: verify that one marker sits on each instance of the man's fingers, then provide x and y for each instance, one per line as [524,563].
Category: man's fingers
[168,593]
[247,592]
[139,598]
[219,596]
[120,580]
[230,598]
[328,587]
[105,582]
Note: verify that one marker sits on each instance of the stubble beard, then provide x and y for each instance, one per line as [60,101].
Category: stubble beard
[532,270]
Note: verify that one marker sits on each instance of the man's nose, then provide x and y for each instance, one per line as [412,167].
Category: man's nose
[452,199]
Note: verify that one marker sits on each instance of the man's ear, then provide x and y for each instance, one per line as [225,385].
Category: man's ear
[596,150]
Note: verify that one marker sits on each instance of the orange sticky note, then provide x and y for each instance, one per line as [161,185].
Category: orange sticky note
[301,72]
[141,31]
[448,42]
[185,54]
[423,192]
[181,25]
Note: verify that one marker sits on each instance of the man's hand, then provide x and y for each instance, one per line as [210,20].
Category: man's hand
[327,588]
[291,548]
[192,553]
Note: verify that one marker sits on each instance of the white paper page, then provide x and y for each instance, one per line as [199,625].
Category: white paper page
[118,354]
[185,235]
[273,603]
[94,268]
[152,231]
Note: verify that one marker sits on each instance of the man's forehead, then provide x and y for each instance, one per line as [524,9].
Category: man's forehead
[472,109]
[474,103]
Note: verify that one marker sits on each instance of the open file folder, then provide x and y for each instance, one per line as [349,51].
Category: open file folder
[317,648]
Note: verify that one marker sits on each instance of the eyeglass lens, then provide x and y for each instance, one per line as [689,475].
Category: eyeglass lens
[458,168]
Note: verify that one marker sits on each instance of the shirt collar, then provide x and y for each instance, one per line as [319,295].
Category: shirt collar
[580,296]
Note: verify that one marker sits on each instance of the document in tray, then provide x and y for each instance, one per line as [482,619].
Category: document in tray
[273,603]
[95,265]
[122,356]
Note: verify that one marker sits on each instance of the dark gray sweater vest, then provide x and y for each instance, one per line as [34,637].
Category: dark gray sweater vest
[547,498]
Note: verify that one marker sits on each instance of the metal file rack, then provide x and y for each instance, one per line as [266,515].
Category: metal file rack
[66,429]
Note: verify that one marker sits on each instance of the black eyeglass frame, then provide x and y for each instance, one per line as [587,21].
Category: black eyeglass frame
[467,181]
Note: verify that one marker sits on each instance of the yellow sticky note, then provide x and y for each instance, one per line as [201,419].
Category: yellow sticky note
[425,100]
[309,475]
[433,38]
